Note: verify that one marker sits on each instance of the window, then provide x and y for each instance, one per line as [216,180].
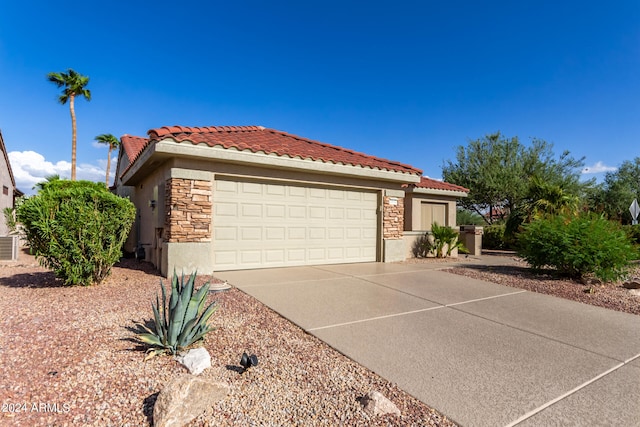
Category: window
[433,212]
[5,190]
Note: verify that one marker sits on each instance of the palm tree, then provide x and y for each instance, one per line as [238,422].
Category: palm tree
[73,85]
[546,198]
[112,142]
[42,184]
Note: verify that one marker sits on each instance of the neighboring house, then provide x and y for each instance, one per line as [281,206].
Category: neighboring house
[241,197]
[9,192]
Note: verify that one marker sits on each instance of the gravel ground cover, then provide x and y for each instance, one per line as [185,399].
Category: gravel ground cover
[67,358]
[608,295]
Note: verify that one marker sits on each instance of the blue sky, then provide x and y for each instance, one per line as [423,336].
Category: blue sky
[408,81]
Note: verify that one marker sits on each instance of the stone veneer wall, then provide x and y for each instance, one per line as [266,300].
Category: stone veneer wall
[393,220]
[188,204]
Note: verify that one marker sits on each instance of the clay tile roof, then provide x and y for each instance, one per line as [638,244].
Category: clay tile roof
[260,139]
[133,146]
[438,185]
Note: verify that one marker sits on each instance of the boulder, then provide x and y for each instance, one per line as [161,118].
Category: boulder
[374,403]
[185,398]
[195,360]
[635,292]
[632,284]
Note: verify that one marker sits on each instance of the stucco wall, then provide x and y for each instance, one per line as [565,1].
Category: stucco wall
[6,193]
[413,210]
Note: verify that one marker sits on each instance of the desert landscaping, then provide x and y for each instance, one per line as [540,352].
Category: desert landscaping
[70,356]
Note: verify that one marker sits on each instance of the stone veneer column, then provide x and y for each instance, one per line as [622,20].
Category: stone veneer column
[393,219]
[188,204]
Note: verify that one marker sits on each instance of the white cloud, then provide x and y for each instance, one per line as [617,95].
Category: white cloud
[598,167]
[30,168]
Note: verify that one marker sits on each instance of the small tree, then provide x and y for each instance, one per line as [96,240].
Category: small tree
[76,228]
[496,170]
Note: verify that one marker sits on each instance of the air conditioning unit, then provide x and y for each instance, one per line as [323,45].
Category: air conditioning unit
[8,248]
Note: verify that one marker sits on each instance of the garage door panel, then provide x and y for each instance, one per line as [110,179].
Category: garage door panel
[251,210]
[297,212]
[268,224]
[317,254]
[368,234]
[277,190]
[226,187]
[276,211]
[336,254]
[274,255]
[337,194]
[296,256]
[317,212]
[316,233]
[226,209]
[276,233]
[370,197]
[317,193]
[299,192]
[250,257]
[297,233]
[336,233]
[354,233]
[354,213]
[250,233]
[336,213]
[251,188]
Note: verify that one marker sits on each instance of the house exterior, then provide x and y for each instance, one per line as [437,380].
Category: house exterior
[426,202]
[240,197]
[7,182]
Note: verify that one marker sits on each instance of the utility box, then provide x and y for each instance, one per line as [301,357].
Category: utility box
[471,236]
[9,248]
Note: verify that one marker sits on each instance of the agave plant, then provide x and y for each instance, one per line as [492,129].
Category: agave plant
[182,322]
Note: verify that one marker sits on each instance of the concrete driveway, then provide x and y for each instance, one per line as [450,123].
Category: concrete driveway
[481,353]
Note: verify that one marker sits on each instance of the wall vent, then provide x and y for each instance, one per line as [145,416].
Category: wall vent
[9,248]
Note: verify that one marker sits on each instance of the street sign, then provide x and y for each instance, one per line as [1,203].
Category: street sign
[635,210]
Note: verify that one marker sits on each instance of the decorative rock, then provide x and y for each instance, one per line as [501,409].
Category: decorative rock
[632,284]
[195,360]
[374,403]
[635,292]
[185,398]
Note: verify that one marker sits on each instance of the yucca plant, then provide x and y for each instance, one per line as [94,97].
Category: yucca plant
[182,322]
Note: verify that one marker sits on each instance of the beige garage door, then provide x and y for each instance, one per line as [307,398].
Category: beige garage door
[260,224]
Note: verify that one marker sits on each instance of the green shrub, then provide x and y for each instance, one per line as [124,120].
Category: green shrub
[577,246]
[76,228]
[493,236]
[633,231]
[182,322]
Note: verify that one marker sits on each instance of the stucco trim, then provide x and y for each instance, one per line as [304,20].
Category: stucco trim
[434,192]
[192,174]
[169,147]
[394,193]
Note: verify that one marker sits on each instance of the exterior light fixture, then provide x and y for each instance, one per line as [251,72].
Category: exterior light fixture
[248,361]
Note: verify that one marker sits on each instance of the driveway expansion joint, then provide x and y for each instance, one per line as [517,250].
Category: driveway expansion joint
[571,392]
